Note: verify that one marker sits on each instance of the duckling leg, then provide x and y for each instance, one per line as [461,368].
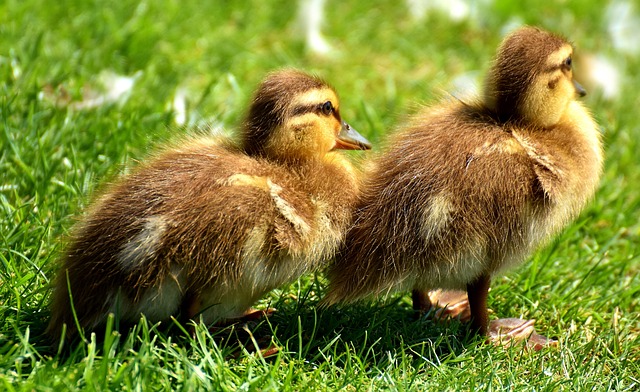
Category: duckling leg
[253,344]
[253,314]
[221,311]
[238,327]
[421,301]
[477,293]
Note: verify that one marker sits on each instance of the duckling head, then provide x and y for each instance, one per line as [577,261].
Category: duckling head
[531,79]
[295,116]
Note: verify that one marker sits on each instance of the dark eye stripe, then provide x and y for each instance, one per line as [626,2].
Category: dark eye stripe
[566,64]
[304,109]
[300,110]
[555,68]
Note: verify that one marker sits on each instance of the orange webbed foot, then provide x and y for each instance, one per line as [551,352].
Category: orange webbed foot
[507,331]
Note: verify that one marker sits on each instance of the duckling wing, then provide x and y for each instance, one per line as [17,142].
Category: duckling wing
[548,168]
[225,206]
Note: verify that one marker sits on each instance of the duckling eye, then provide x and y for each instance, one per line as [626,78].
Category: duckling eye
[327,108]
[567,62]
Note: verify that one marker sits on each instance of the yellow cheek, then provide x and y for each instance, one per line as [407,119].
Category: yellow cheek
[556,102]
[544,105]
[325,142]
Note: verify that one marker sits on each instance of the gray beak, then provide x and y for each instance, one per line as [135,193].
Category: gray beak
[350,139]
[579,89]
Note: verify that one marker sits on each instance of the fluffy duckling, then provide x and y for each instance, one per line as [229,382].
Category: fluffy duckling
[206,229]
[469,189]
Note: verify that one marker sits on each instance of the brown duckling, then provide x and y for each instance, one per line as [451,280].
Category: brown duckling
[466,190]
[208,228]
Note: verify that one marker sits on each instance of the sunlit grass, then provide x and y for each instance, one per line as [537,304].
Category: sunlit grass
[583,288]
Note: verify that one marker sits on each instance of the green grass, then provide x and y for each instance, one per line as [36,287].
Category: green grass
[583,289]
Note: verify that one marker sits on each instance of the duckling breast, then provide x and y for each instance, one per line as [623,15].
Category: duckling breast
[567,160]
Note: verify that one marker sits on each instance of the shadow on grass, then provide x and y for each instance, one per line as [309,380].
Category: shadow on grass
[371,331]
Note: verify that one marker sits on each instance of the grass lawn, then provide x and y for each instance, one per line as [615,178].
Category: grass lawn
[59,144]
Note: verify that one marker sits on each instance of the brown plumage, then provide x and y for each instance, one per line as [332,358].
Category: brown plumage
[209,227]
[468,189]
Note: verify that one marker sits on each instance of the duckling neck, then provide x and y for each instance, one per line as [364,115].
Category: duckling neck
[500,108]
[504,102]
[296,164]
[329,166]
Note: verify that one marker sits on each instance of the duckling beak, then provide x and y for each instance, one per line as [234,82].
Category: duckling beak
[350,139]
[579,89]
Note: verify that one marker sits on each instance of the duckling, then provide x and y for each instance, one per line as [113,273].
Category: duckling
[467,190]
[207,228]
